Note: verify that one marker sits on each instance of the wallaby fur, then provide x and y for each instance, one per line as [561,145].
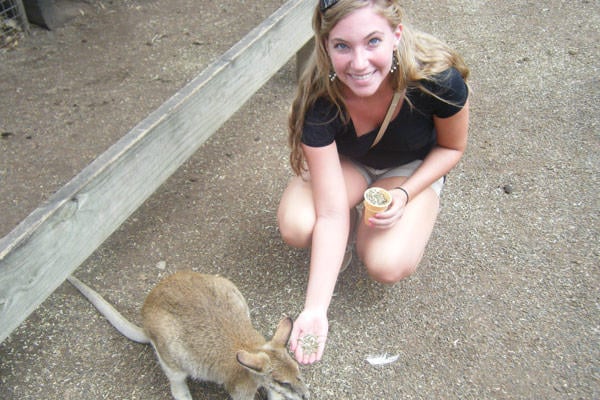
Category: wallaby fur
[199,326]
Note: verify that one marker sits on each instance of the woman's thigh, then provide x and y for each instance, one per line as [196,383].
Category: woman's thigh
[356,183]
[392,254]
[296,215]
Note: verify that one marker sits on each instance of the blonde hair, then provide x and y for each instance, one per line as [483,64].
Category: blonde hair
[420,57]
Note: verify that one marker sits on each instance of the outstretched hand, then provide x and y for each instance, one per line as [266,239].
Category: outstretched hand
[308,337]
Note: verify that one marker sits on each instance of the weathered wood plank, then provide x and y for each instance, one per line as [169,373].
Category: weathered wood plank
[38,255]
[303,57]
[44,13]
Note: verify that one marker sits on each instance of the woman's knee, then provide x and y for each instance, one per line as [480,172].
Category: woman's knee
[296,214]
[390,275]
[390,269]
[296,230]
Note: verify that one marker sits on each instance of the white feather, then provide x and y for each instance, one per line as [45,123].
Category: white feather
[382,359]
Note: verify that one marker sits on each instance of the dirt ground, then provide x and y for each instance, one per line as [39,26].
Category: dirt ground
[506,303]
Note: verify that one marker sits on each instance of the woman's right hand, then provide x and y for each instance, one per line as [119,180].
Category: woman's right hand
[310,328]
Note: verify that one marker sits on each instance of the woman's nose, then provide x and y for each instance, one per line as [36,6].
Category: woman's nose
[360,59]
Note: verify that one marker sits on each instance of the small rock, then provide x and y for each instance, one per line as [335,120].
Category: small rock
[6,134]
[508,189]
[161,265]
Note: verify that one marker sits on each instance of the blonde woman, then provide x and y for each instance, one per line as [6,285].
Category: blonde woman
[363,57]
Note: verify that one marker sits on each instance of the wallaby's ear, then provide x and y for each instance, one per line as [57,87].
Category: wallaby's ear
[256,362]
[283,332]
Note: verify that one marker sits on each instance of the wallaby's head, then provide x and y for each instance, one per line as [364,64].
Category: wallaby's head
[273,366]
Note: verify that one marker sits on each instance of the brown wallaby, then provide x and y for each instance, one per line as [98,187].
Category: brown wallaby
[199,326]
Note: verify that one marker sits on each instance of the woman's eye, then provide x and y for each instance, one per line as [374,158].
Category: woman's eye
[374,41]
[340,46]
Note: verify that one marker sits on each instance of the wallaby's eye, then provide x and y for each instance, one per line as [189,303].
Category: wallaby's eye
[286,385]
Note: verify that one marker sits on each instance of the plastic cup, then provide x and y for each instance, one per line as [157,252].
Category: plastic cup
[376,200]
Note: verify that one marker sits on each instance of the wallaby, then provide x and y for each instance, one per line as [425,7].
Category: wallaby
[199,326]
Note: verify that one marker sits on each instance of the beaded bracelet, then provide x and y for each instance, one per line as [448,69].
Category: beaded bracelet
[405,192]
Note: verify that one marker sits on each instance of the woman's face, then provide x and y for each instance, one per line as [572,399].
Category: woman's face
[360,47]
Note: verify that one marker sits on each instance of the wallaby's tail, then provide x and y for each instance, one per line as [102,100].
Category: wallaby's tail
[127,329]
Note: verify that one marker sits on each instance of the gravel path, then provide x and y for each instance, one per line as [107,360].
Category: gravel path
[506,302]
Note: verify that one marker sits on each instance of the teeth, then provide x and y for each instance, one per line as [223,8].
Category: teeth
[362,77]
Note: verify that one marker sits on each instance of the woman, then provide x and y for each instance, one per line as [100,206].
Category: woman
[363,56]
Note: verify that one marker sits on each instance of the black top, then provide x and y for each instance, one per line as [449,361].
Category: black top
[408,137]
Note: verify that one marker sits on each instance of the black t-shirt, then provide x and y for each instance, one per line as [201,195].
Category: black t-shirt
[408,137]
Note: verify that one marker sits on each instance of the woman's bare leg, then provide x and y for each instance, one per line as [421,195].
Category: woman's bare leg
[296,213]
[393,254]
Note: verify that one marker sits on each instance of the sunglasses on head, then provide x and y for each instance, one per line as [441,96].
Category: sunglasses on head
[326,4]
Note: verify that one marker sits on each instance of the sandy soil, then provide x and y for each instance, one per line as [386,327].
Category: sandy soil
[505,304]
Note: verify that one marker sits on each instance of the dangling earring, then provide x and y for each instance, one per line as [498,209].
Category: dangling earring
[332,76]
[394,67]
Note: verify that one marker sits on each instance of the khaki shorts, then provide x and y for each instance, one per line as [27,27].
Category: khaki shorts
[372,174]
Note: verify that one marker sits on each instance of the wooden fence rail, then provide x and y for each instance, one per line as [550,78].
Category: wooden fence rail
[48,245]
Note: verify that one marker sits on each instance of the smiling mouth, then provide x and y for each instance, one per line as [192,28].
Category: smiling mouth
[361,77]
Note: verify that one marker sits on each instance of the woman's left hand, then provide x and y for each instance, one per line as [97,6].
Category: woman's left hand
[386,219]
